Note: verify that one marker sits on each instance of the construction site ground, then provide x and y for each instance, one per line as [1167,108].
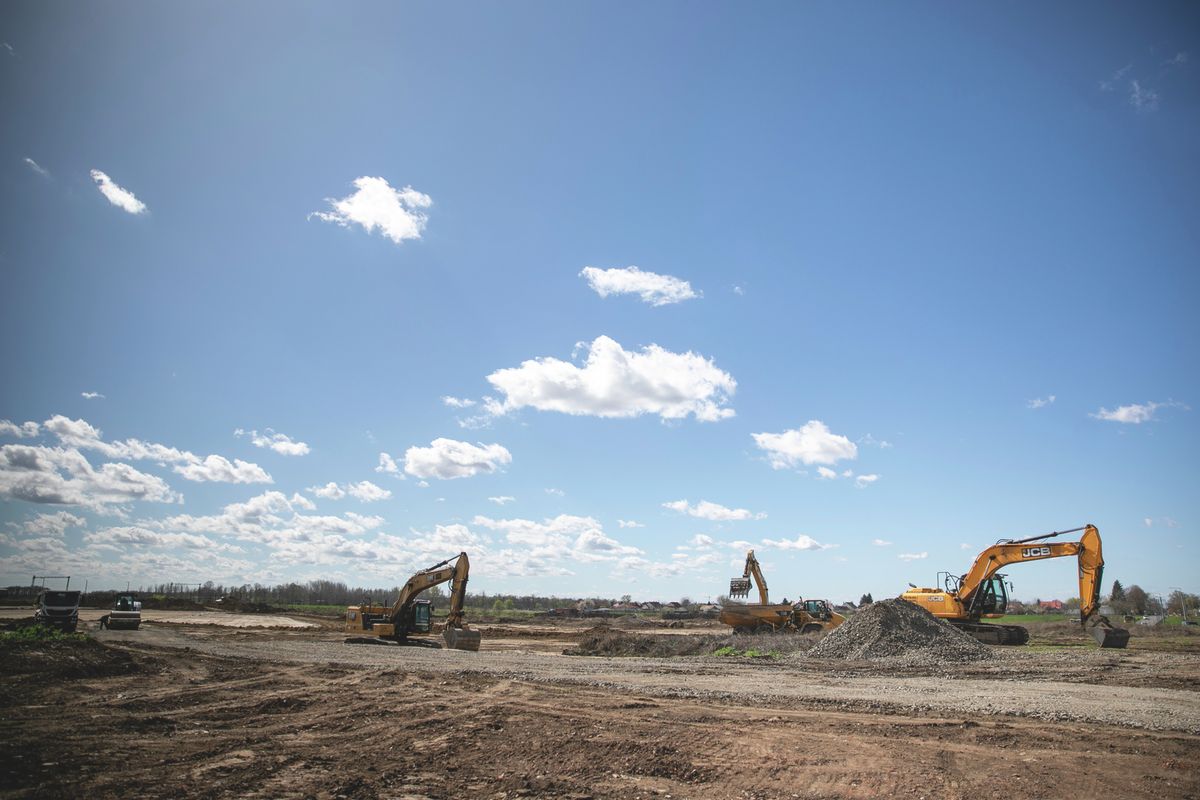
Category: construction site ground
[187,709]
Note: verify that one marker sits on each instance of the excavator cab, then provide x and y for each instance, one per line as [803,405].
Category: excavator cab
[422,612]
[818,609]
[992,597]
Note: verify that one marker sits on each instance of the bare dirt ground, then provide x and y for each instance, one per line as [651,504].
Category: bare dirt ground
[206,711]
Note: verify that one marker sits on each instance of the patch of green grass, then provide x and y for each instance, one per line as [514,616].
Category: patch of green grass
[39,633]
[315,608]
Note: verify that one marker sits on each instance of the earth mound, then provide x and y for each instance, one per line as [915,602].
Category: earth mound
[897,629]
[603,640]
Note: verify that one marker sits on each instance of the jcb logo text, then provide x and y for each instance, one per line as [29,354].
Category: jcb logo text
[1035,552]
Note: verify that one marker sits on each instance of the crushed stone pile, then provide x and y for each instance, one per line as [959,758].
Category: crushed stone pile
[603,640]
[898,630]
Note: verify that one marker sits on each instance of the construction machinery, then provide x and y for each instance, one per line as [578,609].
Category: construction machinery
[58,609]
[409,615]
[125,615]
[983,592]
[804,616]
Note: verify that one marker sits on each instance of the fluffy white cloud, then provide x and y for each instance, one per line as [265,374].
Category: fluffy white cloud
[863,481]
[375,204]
[449,458]
[1135,413]
[555,492]
[388,466]
[614,382]
[367,492]
[91,395]
[652,288]
[142,537]
[881,543]
[825,473]
[801,542]
[300,501]
[1041,402]
[330,491]
[629,523]
[279,442]
[121,198]
[564,536]
[915,556]
[502,499]
[457,402]
[55,524]
[23,431]
[712,511]
[79,433]
[221,470]
[811,444]
[62,476]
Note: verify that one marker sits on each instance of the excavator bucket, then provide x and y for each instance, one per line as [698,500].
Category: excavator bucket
[739,587]
[1110,636]
[461,639]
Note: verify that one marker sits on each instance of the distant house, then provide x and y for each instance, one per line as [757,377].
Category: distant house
[1052,605]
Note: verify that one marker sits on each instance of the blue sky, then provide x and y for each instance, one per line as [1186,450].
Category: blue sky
[910,279]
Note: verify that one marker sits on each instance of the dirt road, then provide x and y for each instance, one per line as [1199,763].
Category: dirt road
[207,712]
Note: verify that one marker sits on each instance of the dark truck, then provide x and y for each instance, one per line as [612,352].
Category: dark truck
[58,609]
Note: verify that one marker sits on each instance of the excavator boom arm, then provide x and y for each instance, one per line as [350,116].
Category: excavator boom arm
[428,578]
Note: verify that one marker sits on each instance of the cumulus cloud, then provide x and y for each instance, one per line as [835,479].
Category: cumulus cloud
[502,500]
[914,556]
[652,288]
[555,492]
[25,430]
[564,536]
[398,213]
[91,395]
[63,476]
[811,444]
[388,466]
[801,542]
[119,197]
[712,511]
[881,543]
[863,481]
[80,434]
[629,523]
[330,491]
[1135,413]
[55,524]
[279,442]
[367,492]
[36,167]
[449,458]
[614,382]
[457,402]
[1041,402]
[825,473]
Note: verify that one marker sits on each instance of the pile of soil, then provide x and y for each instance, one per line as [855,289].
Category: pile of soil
[901,631]
[66,657]
[603,640]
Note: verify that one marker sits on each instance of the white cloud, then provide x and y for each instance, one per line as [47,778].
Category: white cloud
[121,198]
[300,501]
[825,473]
[712,511]
[25,430]
[279,442]
[388,466]
[62,476]
[457,402]
[36,167]
[881,543]
[9,48]
[1148,522]
[882,444]
[863,481]
[367,492]
[964,546]
[652,288]
[615,382]
[555,492]
[135,536]
[1135,413]
[629,523]
[811,444]
[701,541]
[448,459]
[502,500]
[80,434]
[330,491]
[564,536]
[55,524]
[91,395]
[738,290]
[375,204]
[801,542]
[221,470]
[1040,402]
[1141,98]
[913,556]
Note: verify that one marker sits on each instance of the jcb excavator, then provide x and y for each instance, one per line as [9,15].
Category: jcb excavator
[409,615]
[805,616]
[982,592]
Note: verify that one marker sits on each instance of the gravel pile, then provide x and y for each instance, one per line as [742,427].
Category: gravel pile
[898,630]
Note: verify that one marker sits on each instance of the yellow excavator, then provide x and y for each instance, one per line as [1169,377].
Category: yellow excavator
[803,616]
[982,591]
[408,615]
